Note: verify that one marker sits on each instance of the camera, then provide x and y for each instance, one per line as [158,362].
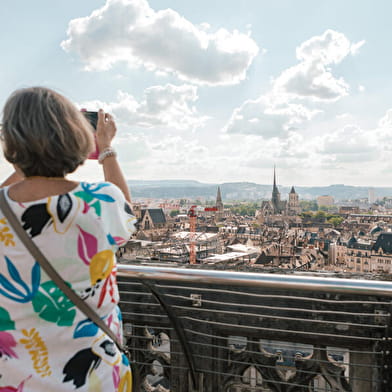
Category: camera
[92,117]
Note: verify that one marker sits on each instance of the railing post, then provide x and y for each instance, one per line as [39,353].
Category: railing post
[177,325]
[200,383]
[386,362]
[362,371]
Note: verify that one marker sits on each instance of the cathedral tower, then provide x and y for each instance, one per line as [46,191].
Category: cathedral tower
[219,205]
[293,206]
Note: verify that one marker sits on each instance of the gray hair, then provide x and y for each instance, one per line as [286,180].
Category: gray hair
[44,134]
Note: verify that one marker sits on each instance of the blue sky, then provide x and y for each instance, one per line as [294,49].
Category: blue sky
[218,91]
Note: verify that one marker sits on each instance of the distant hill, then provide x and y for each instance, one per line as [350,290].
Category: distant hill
[174,189]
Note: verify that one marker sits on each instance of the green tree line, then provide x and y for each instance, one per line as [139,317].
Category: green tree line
[322,217]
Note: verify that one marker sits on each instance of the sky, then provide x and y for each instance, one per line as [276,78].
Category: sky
[218,91]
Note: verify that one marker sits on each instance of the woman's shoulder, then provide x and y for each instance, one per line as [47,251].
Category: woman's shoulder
[102,190]
[110,205]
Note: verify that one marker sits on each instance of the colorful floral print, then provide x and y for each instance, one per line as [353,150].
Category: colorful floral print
[109,288]
[63,212]
[35,219]
[106,349]
[37,350]
[85,328]
[6,237]
[92,196]
[94,382]
[125,384]
[19,388]
[101,265]
[87,246]
[5,321]
[59,211]
[19,291]
[43,336]
[116,241]
[52,305]
[7,343]
[80,366]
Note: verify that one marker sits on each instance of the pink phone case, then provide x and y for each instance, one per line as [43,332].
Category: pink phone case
[95,154]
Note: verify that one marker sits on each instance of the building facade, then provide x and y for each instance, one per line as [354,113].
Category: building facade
[325,200]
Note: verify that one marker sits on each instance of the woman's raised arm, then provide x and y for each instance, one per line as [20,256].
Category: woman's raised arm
[106,130]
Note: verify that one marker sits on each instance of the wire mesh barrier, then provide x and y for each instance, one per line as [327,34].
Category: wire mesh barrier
[197,330]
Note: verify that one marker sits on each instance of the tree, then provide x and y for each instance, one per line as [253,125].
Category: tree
[335,221]
[308,205]
[244,209]
[320,216]
[306,215]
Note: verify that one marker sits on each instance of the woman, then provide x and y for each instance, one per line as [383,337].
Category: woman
[46,343]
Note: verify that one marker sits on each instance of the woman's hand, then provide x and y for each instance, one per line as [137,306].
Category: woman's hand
[106,130]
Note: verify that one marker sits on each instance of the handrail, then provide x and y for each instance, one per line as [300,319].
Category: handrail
[272,280]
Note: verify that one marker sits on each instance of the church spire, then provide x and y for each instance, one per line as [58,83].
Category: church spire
[274,179]
[218,196]
[275,196]
[219,205]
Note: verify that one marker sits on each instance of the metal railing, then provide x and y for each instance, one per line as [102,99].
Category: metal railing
[206,330]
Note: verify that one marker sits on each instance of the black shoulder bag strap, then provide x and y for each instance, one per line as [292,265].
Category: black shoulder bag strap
[51,272]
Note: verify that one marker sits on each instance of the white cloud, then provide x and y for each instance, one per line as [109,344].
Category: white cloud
[386,121]
[384,135]
[163,41]
[331,150]
[260,117]
[167,106]
[252,118]
[312,78]
[294,95]
[132,148]
[173,156]
[329,48]
[355,47]
[351,144]
[343,116]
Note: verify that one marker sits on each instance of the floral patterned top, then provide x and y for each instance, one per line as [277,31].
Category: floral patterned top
[46,343]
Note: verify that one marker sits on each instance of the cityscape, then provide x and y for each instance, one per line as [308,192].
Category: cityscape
[350,237]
